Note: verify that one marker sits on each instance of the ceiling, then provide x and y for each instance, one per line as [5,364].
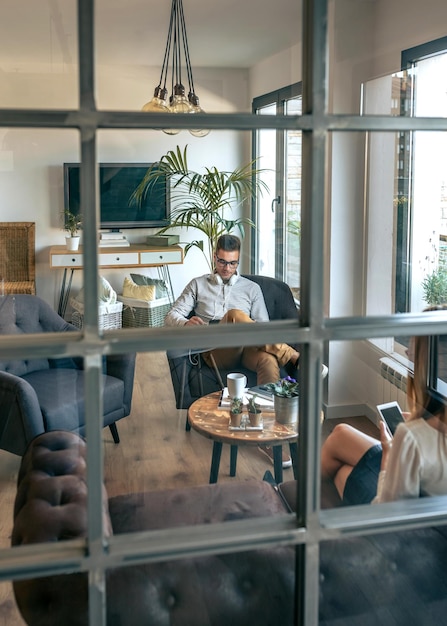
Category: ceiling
[221,33]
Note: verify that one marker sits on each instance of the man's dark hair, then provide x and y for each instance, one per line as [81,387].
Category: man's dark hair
[229,243]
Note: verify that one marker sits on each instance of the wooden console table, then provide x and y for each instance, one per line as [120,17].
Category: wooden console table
[135,256]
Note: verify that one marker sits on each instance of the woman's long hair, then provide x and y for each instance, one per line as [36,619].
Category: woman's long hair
[421,402]
[417,390]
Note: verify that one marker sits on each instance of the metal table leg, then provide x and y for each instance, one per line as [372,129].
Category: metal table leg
[165,275]
[65,292]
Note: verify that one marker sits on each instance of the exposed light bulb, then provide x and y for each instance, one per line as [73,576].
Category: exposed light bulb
[176,50]
[203,132]
[179,103]
[196,108]
[171,131]
[158,104]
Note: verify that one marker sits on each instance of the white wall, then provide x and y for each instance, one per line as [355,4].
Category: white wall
[279,70]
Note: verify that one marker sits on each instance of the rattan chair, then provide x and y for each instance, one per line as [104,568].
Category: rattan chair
[17,258]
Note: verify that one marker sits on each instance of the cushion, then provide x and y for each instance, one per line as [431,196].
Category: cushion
[141,292]
[161,291]
[60,393]
[12,322]
[106,293]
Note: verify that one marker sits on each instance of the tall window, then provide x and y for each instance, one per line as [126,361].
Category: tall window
[422,183]
[407,187]
[278,214]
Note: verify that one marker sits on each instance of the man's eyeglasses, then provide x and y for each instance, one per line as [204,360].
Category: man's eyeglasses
[224,263]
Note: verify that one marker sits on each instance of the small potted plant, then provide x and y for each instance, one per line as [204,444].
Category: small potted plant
[254,411]
[236,412]
[286,400]
[72,223]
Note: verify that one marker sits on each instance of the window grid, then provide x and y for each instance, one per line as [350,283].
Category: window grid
[311,525]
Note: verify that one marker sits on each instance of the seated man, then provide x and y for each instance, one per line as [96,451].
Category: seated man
[227,297]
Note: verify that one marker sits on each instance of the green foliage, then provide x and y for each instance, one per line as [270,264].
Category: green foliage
[253,406]
[285,388]
[71,222]
[435,287]
[294,227]
[200,200]
[236,405]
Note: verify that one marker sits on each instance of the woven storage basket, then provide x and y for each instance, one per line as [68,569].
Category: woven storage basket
[143,313]
[110,315]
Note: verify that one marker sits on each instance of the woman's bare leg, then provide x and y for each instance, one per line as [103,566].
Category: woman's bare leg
[341,451]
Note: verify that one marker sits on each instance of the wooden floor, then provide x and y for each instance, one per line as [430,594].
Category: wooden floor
[155,453]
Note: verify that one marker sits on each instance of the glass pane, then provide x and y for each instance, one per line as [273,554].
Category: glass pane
[39,58]
[267,203]
[293,199]
[207,590]
[430,98]
[32,192]
[429,201]
[416,195]
[349,566]
[360,52]
[229,65]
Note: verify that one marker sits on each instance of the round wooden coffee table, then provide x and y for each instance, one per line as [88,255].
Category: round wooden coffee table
[207,418]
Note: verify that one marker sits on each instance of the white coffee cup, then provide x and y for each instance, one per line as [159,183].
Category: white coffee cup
[236,384]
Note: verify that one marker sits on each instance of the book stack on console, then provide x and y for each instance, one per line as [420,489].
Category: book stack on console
[162,240]
[111,239]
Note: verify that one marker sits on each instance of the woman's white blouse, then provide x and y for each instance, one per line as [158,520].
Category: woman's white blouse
[417,463]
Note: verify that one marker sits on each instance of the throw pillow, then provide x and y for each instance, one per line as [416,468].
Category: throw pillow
[106,293]
[140,292]
[161,291]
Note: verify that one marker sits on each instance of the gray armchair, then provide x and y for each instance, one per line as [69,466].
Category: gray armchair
[192,378]
[41,395]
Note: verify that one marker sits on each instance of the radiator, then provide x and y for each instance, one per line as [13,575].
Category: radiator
[394,378]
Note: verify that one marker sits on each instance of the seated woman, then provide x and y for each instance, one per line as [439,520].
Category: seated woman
[411,464]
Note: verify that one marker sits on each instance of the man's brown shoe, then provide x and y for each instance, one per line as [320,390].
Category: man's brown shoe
[268,451]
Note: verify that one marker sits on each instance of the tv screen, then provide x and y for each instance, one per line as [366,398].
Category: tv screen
[117,182]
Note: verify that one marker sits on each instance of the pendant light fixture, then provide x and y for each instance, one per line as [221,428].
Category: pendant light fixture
[176,50]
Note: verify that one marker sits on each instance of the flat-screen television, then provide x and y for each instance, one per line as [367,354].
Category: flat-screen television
[117,182]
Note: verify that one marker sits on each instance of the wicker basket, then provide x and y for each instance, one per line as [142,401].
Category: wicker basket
[110,315]
[143,313]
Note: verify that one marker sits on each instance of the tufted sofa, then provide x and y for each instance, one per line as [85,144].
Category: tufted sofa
[224,589]
[38,395]
[393,578]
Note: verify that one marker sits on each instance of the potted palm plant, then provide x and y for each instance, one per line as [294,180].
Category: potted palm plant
[72,223]
[203,200]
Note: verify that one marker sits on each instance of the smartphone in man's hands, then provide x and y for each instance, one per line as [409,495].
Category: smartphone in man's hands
[391,414]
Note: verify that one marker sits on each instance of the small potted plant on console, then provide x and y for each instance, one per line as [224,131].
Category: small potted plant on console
[72,223]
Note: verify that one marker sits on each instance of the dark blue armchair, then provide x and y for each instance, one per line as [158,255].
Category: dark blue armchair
[40,395]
